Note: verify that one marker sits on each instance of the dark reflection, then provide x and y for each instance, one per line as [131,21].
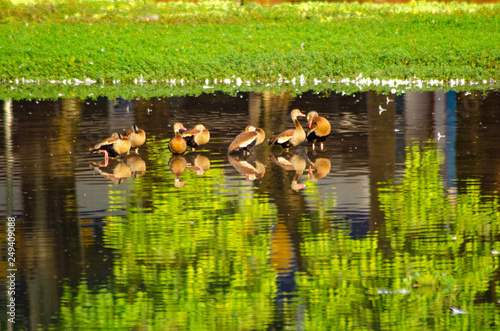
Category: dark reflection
[114,170]
[248,166]
[177,165]
[65,210]
[291,162]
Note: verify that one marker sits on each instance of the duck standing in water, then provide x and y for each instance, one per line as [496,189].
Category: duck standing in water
[199,135]
[112,146]
[319,130]
[247,139]
[137,137]
[177,144]
[291,137]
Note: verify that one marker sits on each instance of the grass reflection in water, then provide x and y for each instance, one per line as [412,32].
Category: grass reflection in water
[207,263]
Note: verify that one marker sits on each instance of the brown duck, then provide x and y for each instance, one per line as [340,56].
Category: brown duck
[177,144]
[319,130]
[291,137]
[112,146]
[198,136]
[247,139]
[136,136]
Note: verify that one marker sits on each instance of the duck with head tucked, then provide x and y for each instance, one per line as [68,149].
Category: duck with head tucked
[197,136]
[247,139]
[136,136]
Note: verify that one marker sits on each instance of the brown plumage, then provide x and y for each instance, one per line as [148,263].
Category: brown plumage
[177,165]
[198,136]
[197,163]
[177,144]
[291,137]
[322,165]
[247,139]
[319,130]
[136,165]
[114,170]
[252,170]
[291,162]
[136,136]
[112,146]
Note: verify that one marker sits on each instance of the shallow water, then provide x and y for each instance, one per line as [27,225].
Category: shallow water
[393,226]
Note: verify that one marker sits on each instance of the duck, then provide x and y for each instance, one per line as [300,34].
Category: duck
[177,144]
[319,130]
[291,137]
[197,136]
[112,146]
[137,137]
[249,138]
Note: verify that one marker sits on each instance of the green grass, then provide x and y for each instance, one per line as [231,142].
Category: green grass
[264,46]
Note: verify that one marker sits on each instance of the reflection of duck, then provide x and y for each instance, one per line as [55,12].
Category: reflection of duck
[136,136]
[291,162]
[136,164]
[320,163]
[197,136]
[291,137]
[112,146]
[252,170]
[197,162]
[319,130]
[114,170]
[177,165]
[247,139]
[177,144]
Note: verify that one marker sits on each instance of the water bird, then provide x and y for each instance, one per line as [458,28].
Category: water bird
[291,137]
[112,146]
[136,136]
[197,136]
[319,130]
[177,144]
[247,139]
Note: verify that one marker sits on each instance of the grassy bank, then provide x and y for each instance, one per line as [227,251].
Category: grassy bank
[177,47]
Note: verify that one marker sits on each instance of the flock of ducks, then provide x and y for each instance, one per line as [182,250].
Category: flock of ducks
[318,131]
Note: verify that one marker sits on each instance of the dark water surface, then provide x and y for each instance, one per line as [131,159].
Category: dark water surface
[396,228]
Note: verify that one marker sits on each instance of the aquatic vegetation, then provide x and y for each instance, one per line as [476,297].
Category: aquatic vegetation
[175,47]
